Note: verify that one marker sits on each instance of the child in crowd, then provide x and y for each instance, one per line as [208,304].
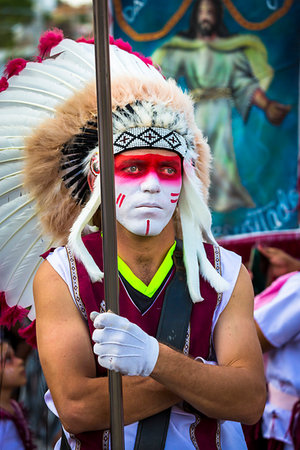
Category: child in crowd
[14,431]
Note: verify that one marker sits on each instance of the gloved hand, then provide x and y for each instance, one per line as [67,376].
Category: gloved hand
[123,346]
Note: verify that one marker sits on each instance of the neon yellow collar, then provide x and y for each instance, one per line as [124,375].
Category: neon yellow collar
[156,281]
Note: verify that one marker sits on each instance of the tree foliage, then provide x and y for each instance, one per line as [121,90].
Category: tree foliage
[13,13]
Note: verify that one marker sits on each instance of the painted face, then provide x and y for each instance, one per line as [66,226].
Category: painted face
[206,18]
[12,371]
[147,185]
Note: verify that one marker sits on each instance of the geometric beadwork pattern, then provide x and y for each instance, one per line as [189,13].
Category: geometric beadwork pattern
[154,137]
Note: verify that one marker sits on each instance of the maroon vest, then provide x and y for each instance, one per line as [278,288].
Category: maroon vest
[89,297]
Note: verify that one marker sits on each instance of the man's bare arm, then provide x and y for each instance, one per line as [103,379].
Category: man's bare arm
[235,389]
[66,355]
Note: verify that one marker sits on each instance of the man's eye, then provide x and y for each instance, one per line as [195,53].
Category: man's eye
[132,169]
[169,170]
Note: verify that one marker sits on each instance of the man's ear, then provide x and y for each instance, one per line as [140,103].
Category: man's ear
[91,180]
[94,171]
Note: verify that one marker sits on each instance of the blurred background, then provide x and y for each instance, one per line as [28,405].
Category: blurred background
[22,22]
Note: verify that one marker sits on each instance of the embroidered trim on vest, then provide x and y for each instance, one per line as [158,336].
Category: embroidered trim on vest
[105,440]
[186,347]
[217,255]
[75,284]
[192,431]
[76,441]
[217,262]
[220,294]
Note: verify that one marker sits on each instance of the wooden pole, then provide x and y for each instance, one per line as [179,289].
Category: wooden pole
[108,211]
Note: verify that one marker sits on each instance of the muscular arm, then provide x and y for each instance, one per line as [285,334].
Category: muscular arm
[66,355]
[235,389]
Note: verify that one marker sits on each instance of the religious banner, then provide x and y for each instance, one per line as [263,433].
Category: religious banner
[239,61]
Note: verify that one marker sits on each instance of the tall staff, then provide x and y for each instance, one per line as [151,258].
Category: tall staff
[111,285]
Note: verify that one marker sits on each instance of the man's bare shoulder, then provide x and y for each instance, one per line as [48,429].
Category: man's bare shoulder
[46,275]
[243,293]
[50,291]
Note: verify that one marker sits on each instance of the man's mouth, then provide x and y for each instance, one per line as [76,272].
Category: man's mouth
[149,205]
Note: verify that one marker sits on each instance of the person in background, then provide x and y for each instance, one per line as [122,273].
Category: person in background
[277,317]
[280,262]
[14,431]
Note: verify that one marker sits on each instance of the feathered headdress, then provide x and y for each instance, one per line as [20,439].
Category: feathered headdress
[48,137]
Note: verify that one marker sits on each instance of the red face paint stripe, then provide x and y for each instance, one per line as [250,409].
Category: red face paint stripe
[118,198]
[174,195]
[147,227]
[173,201]
[121,201]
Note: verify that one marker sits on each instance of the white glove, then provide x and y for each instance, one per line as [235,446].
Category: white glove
[123,346]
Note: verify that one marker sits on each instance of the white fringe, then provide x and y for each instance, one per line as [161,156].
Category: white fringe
[195,222]
[75,240]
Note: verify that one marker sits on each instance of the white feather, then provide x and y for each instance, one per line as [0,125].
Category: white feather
[28,98]
[124,63]
[20,245]
[82,52]
[10,152]
[11,143]
[10,188]
[10,169]
[56,75]
[61,93]
[17,120]
[190,254]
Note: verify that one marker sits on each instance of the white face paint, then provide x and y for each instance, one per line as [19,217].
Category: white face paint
[147,184]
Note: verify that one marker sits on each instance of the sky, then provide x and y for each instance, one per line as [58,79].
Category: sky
[78,2]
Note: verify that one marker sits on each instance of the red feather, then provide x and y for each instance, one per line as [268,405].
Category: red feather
[3,84]
[10,315]
[14,67]
[48,40]
[85,40]
[29,334]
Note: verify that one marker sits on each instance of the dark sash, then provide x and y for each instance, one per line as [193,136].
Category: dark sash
[172,331]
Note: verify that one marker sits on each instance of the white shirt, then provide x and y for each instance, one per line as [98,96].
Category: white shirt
[279,321]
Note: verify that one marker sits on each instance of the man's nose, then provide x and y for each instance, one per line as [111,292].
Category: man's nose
[151,183]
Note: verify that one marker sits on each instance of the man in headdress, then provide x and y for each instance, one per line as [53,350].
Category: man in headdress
[221,70]
[213,378]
